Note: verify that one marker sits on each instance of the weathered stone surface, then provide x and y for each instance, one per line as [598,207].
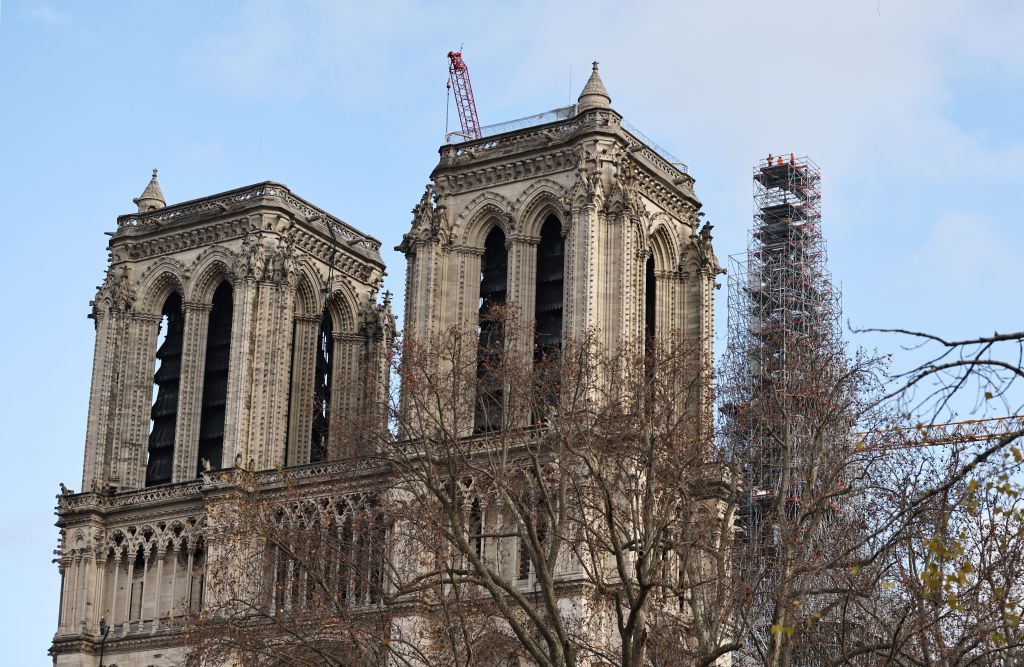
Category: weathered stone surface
[617,200]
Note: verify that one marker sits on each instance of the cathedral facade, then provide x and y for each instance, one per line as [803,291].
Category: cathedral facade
[233,330]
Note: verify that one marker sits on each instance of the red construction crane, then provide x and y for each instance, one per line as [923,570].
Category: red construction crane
[459,82]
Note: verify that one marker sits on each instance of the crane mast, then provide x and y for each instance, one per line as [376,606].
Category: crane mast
[459,83]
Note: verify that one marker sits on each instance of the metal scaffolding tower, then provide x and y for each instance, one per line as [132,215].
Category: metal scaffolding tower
[784,320]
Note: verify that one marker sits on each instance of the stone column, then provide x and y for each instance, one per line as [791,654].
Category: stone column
[240,371]
[190,390]
[96,442]
[136,394]
[666,290]
[348,380]
[117,361]
[98,590]
[581,245]
[173,606]
[146,553]
[300,417]
[161,552]
[129,582]
[522,280]
[269,345]
[425,297]
[282,340]
[87,568]
[65,561]
[467,315]
[113,591]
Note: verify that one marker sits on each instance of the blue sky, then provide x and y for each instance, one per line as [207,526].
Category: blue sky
[912,109]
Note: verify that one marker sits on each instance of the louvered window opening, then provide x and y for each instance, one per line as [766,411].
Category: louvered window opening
[493,295]
[215,379]
[322,389]
[650,301]
[167,379]
[550,277]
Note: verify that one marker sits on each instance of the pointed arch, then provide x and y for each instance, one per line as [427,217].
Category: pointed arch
[536,203]
[212,268]
[341,304]
[480,215]
[162,278]
[663,244]
[308,290]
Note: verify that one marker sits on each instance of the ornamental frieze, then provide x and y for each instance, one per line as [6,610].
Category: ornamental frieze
[507,172]
[240,228]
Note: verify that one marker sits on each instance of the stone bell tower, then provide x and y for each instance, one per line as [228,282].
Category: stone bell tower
[234,289]
[240,330]
[573,216]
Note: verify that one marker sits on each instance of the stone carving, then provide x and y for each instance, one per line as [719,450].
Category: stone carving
[239,199]
[624,194]
[116,293]
[279,265]
[588,189]
[699,252]
[429,221]
[251,260]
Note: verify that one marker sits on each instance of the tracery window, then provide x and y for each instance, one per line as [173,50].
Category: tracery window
[493,295]
[166,381]
[215,380]
[322,389]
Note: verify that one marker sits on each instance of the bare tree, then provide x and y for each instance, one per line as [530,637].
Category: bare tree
[294,575]
[557,505]
[589,516]
[567,507]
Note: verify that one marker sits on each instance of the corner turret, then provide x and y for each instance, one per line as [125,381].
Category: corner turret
[594,95]
[152,197]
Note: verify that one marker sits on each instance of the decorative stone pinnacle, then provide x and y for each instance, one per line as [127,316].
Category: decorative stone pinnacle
[594,95]
[152,197]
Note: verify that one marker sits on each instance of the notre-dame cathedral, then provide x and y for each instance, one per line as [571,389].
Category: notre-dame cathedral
[232,328]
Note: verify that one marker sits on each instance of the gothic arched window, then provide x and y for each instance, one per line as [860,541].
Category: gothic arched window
[215,380]
[550,277]
[650,305]
[166,380]
[493,293]
[322,389]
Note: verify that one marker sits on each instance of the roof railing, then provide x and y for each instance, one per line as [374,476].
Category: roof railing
[553,116]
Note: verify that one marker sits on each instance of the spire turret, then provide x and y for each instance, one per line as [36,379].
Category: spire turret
[594,95]
[152,197]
